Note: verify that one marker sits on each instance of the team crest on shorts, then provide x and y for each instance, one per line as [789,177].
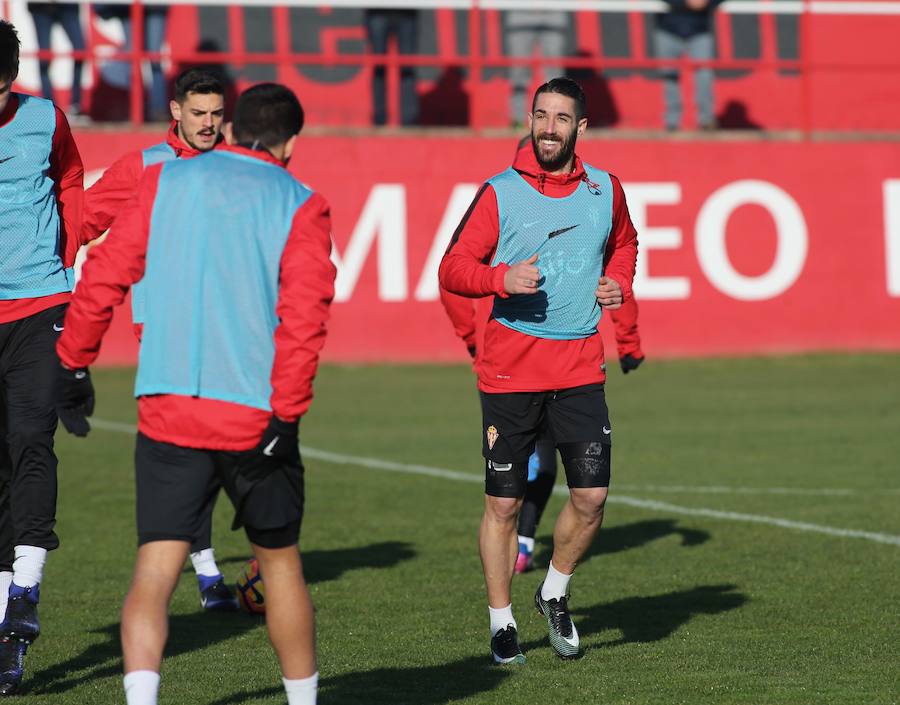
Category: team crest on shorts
[492,436]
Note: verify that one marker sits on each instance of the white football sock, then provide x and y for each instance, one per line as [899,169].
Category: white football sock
[5,580]
[205,562]
[28,567]
[302,691]
[555,584]
[501,618]
[528,542]
[141,687]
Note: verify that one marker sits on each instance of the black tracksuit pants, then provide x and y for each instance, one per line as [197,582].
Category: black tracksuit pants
[28,373]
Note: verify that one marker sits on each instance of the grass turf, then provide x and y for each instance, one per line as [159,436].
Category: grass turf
[672,607]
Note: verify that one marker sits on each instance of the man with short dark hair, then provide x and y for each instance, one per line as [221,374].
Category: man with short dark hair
[225,369]
[551,240]
[41,181]
[198,109]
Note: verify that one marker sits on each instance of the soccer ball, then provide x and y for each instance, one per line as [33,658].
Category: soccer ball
[250,590]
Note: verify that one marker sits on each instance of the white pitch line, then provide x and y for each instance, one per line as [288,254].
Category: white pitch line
[428,471]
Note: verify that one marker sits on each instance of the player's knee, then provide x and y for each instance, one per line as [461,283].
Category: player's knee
[502,509]
[589,501]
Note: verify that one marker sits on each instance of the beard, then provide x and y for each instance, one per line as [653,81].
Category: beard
[556,160]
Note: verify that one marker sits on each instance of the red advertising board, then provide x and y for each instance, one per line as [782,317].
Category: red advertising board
[747,247]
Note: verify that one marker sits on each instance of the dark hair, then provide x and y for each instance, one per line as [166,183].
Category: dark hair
[567,87]
[9,51]
[196,80]
[269,114]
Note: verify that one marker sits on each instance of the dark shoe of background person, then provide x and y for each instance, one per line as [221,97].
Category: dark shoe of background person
[21,614]
[12,665]
[215,595]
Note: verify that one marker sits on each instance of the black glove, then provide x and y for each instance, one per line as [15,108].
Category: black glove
[74,399]
[629,363]
[279,444]
[472,351]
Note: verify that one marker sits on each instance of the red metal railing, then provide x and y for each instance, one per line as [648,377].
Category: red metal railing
[476,61]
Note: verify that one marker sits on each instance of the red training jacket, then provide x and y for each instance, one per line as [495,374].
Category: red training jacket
[510,361]
[306,287]
[111,193]
[67,173]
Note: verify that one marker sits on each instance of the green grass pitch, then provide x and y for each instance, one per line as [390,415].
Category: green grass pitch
[694,592]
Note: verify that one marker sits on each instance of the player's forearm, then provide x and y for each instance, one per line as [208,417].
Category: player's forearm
[306,289]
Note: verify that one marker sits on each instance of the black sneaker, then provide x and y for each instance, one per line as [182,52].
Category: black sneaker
[563,635]
[505,646]
[215,594]
[12,664]
[21,620]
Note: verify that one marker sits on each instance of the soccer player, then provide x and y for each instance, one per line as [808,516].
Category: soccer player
[41,182]
[468,322]
[551,240]
[227,360]
[197,113]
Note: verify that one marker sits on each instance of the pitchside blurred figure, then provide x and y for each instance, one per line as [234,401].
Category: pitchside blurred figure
[226,365]
[197,113]
[41,181]
[551,240]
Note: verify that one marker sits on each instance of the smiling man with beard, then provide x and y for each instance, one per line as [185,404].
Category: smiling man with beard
[551,240]
[198,110]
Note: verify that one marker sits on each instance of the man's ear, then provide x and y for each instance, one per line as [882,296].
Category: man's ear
[289,147]
[175,109]
[228,132]
[582,126]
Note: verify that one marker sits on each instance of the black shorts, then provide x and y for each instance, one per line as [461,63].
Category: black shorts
[577,419]
[175,484]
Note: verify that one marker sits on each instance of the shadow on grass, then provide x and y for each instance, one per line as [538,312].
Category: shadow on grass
[621,538]
[426,685]
[187,632]
[653,618]
[190,632]
[322,566]
[639,619]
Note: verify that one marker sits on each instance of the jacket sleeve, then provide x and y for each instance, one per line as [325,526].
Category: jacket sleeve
[464,269]
[461,312]
[67,173]
[110,270]
[305,291]
[110,195]
[625,325]
[621,248]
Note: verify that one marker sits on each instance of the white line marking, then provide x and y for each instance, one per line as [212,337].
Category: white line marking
[428,471]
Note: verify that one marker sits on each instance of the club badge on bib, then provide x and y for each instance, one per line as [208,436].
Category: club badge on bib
[492,436]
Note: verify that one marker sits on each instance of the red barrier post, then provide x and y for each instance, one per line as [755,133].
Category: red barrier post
[136,92]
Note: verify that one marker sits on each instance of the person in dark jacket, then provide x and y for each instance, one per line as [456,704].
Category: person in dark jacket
[687,29]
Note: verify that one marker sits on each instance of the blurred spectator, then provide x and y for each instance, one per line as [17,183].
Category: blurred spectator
[45,15]
[687,29]
[404,25]
[524,30]
[118,73]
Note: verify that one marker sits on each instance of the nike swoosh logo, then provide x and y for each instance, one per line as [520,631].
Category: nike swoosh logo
[271,447]
[561,231]
[6,159]
[80,374]
[607,431]
[58,329]
[531,224]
